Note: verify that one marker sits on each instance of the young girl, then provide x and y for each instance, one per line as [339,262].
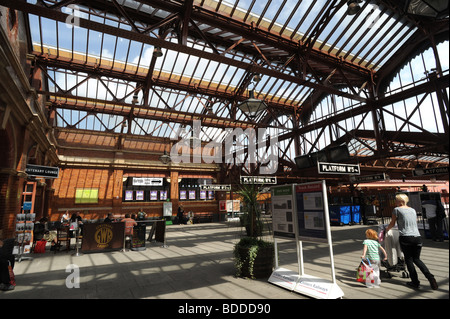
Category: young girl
[371,247]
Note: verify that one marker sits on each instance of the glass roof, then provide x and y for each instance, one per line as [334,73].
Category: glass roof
[357,39]
[94,75]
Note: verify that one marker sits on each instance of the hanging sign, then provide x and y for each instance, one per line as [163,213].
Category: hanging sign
[42,171]
[215,187]
[431,171]
[147,181]
[258,180]
[368,178]
[338,168]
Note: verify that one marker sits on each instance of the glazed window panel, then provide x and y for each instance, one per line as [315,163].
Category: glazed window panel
[86,196]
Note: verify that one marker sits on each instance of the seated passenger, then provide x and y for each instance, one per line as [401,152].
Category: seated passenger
[129,224]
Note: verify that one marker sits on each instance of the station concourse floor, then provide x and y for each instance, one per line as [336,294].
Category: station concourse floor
[197,264]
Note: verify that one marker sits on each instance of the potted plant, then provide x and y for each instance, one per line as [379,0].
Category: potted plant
[253,256]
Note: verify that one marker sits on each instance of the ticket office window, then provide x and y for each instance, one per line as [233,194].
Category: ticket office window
[134,191]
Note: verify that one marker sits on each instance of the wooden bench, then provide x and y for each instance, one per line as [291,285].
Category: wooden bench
[203,218]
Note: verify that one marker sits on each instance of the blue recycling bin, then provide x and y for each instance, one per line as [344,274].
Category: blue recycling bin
[356,214]
[340,214]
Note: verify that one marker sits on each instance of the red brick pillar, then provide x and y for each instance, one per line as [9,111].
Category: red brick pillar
[174,191]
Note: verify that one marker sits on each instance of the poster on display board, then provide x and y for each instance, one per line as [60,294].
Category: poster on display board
[283,211]
[223,205]
[167,209]
[311,219]
[139,195]
[128,195]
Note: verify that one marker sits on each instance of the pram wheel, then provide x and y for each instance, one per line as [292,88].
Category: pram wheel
[405,274]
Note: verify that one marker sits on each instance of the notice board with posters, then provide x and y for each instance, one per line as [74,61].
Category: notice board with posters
[310,222]
[283,211]
[311,210]
[102,237]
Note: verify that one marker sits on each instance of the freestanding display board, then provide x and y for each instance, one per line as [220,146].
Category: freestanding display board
[310,222]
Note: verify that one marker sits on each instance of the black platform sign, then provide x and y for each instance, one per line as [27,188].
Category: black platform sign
[431,171]
[368,178]
[259,180]
[42,171]
[338,168]
[215,187]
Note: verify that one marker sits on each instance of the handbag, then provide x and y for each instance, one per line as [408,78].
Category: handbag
[12,278]
[364,272]
[40,247]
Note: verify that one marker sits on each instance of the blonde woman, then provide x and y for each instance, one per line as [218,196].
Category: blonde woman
[410,240]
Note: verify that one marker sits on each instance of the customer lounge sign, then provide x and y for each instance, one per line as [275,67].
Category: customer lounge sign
[42,171]
[102,236]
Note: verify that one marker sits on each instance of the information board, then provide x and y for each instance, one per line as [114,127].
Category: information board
[167,209]
[310,212]
[283,211]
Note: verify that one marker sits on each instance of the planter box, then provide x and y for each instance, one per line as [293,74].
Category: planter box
[263,264]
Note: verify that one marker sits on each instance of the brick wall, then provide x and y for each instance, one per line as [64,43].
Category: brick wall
[11,187]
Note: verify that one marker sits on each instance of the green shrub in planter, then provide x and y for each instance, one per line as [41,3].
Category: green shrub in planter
[253,258]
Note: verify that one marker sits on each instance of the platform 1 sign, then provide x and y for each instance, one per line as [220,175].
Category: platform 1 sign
[338,168]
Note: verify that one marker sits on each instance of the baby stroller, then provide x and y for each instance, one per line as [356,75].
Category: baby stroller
[390,242]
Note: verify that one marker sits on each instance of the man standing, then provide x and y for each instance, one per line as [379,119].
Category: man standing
[141,214]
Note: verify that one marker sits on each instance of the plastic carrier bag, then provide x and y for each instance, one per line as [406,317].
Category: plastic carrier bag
[364,272]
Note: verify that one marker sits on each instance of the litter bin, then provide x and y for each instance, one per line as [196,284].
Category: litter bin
[339,214]
[356,214]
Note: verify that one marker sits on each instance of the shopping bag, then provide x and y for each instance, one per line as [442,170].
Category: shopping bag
[364,272]
[74,226]
[12,278]
[39,248]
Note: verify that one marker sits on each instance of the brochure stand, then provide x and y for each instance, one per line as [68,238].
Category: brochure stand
[300,212]
[25,223]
